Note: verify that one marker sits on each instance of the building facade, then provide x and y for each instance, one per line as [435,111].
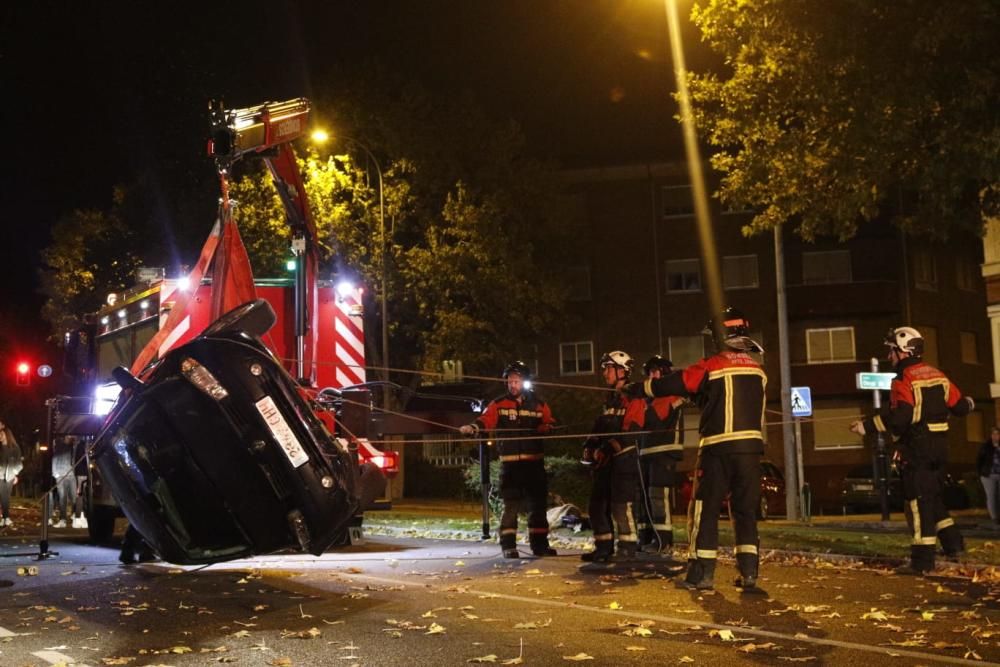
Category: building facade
[640,286]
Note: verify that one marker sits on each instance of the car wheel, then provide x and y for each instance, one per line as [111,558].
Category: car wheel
[763,510]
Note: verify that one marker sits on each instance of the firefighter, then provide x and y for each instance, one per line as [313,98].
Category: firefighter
[520,414]
[921,400]
[728,387]
[11,464]
[614,463]
[660,448]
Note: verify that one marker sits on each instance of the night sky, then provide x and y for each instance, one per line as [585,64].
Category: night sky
[102,93]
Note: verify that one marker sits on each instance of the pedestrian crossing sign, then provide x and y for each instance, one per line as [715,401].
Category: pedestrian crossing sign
[801,399]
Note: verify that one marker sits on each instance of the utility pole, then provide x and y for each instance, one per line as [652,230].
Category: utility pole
[792,484]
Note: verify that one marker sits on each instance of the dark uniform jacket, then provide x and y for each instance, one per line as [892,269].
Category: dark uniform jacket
[619,413]
[728,388]
[664,423]
[921,399]
[512,417]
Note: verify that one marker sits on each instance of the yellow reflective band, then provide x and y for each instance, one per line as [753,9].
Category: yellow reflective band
[725,437]
[693,529]
[644,525]
[623,537]
[918,394]
[508,531]
[745,548]
[629,524]
[660,448]
[647,387]
[604,537]
[661,526]
[737,370]
[915,512]
[944,523]
[627,449]
[706,553]
[666,510]
[925,541]
[937,427]
[728,427]
[879,424]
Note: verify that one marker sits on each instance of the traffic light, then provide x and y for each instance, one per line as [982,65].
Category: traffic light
[23,374]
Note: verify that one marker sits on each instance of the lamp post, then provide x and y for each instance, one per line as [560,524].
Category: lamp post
[320,136]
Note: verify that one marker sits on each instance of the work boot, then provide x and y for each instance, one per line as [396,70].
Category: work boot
[601,554]
[748,565]
[540,545]
[511,553]
[701,574]
[910,570]
[626,551]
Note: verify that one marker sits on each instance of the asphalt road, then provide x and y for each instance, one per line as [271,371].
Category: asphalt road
[429,602]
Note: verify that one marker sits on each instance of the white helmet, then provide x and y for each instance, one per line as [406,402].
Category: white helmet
[618,358]
[905,339]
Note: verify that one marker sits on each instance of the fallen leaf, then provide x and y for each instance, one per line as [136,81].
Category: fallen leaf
[635,648]
[124,660]
[614,605]
[484,658]
[579,657]
[927,616]
[807,658]
[281,662]
[685,658]
[180,650]
[435,629]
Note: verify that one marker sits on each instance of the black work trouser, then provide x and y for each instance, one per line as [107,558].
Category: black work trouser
[5,489]
[657,473]
[722,473]
[524,484]
[926,516]
[611,503]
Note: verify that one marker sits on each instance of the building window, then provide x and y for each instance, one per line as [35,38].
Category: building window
[677,201]
[829,430]
[683,275]
[576,358]
[739,272]
[826,267]
[930,344]
[686,350]
[967,275]
[974,430]
[578,279]
[967,342]
[924,270]
[829,346]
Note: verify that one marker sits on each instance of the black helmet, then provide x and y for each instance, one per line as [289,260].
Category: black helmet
[518,367]
[656,362]
[735,331]
[620,359]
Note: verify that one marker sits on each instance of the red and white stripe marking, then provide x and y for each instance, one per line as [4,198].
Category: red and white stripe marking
[349,342]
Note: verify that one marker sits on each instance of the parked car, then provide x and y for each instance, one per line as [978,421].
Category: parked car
[859,491]
[772,491]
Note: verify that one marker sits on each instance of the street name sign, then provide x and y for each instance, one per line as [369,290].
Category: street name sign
[874,380]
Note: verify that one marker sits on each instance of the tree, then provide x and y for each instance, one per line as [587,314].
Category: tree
[831,113]
[90,255]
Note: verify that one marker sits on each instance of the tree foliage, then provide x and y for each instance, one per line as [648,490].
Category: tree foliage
[831,113]
[91,253]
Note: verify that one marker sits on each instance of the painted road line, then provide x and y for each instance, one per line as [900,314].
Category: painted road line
[4,632]
[57,658]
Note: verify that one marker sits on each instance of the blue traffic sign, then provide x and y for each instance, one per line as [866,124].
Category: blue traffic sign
[802,404]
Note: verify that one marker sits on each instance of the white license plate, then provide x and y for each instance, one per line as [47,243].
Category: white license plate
[863,487]
[281,431]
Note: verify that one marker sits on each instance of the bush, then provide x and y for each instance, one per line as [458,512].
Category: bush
[569,482]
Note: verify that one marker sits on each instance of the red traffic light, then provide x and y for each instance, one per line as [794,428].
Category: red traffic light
[23,374]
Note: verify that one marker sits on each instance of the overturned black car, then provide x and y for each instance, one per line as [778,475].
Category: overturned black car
[216,453]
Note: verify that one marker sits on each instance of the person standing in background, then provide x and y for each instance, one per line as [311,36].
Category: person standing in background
[11,464]
[988,464]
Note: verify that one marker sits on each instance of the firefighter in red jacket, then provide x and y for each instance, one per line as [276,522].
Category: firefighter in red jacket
[519,415]
[612,455]
[921,400]
[729,390]
[660,448]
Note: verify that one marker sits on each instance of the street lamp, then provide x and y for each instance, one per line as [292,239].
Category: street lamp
[321,136]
